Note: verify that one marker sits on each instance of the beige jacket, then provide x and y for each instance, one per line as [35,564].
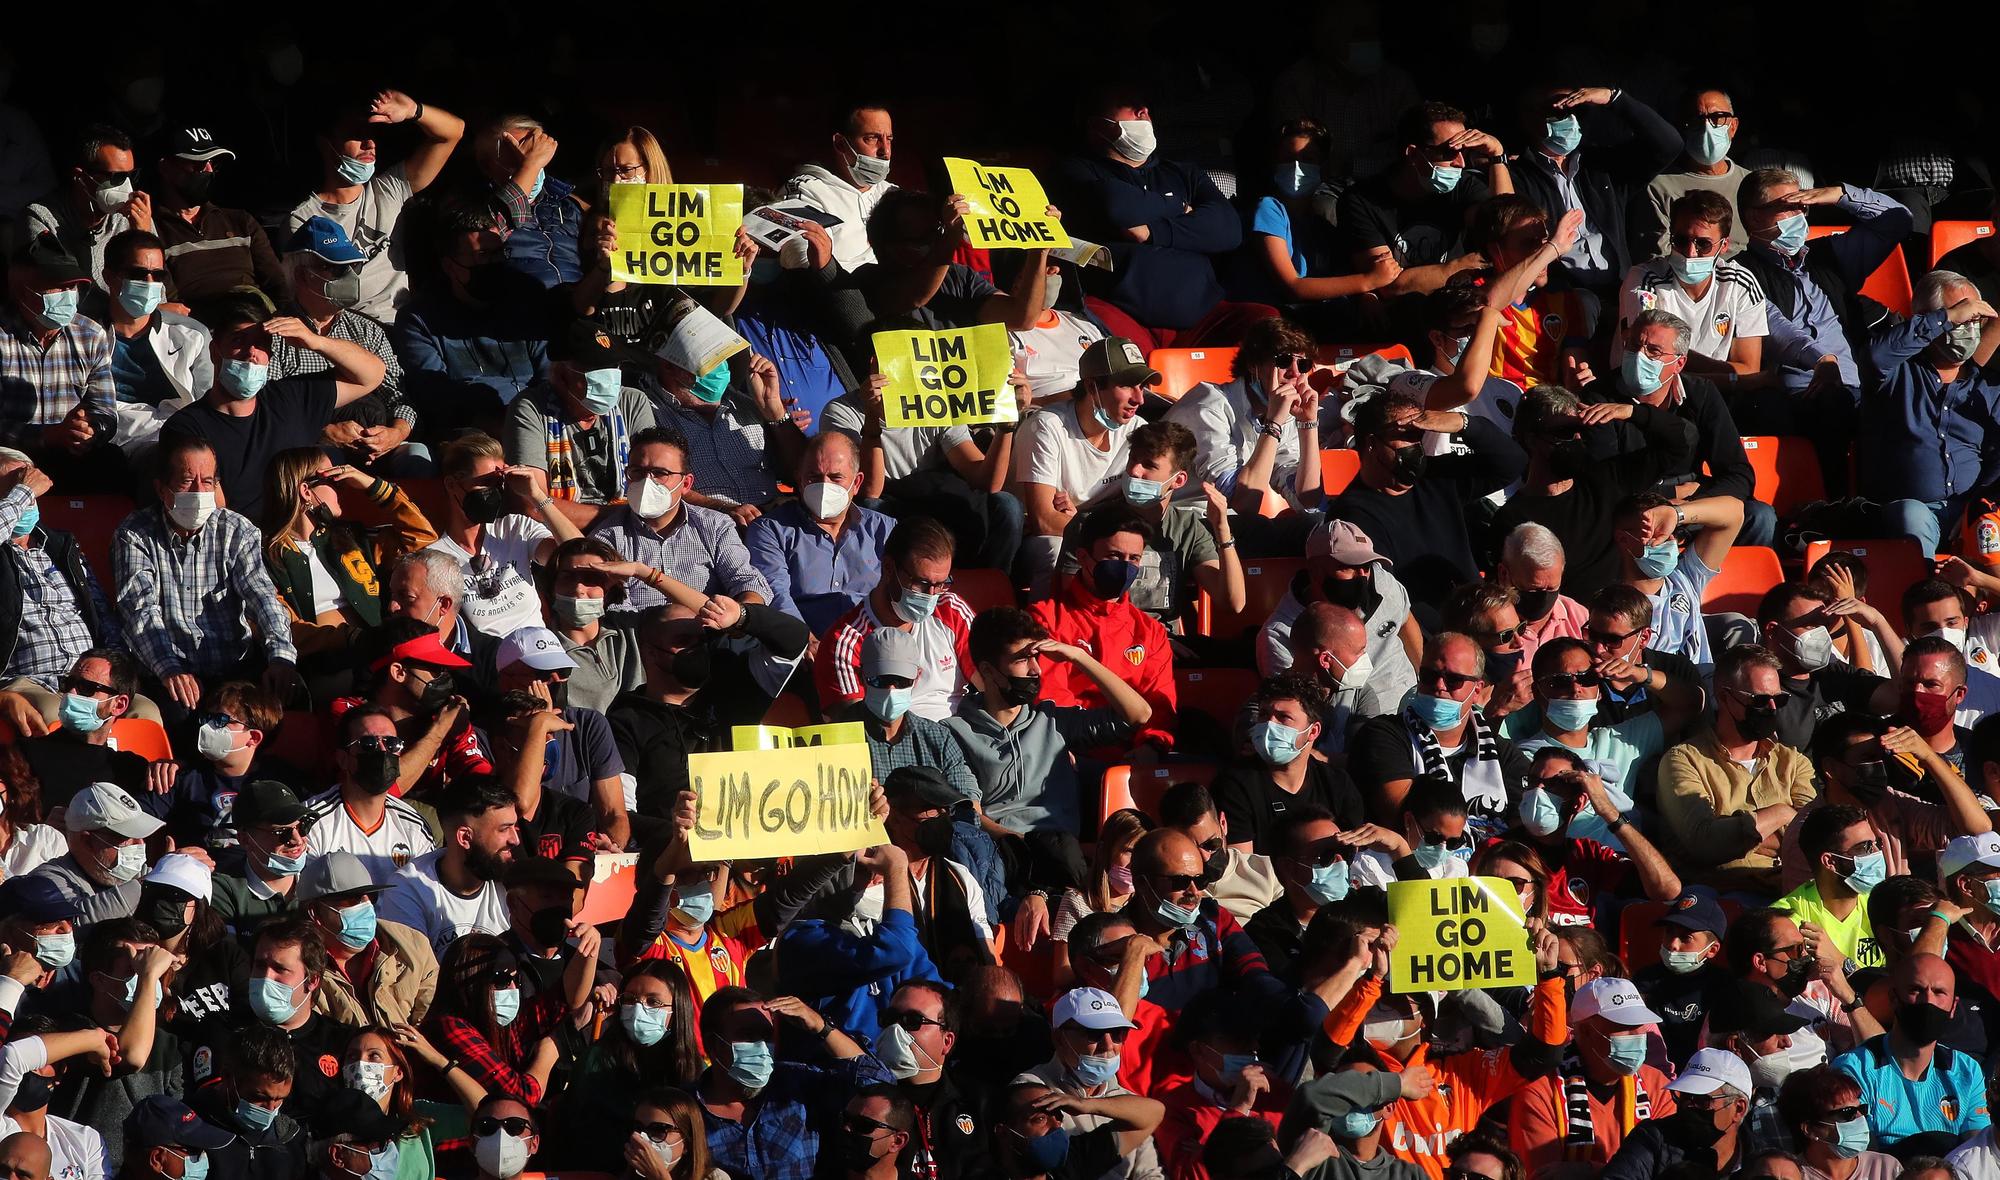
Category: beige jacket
[400,985]
[1706,800]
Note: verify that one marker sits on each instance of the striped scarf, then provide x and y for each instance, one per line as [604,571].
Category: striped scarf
[564,480]
[1484,784]
[1579,1136]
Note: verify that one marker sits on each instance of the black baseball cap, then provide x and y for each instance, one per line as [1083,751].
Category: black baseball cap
[267,801]
[588,347]
[1753,1010]
[160,1120]
[36,901]
[54,266]
[921,786]
[193,144]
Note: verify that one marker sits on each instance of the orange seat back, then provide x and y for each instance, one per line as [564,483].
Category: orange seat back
[147,739]
[1638,936]
[1265,580]
[1889,285]
[1216,692]
[982,588]
[1342,355]
[1787,470]
[1142,786]
[610,899]
[1181,369]
[1746,574]
[1337,468]
[1894,565]
[1947,236]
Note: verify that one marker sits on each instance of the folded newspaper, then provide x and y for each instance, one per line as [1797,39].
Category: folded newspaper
[696,339]
[771,226]
[1082,253]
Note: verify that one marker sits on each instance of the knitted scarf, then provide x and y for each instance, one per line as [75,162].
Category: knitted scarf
[1579,1136]
[1484,785]
[564,479]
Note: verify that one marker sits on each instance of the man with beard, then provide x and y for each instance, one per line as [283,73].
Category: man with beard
[210,250]
[362,814]
[456,890]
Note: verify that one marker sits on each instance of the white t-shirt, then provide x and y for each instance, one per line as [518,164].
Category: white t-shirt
[325,591]
[1496,402]
[370,223]
[1052,349]
[1225,428]
[421,902]
[975,898]
[1978,1158]
[1053,451]
[76,1151]
[939,678]
[1732,308]
[32,845]
[503,600]
[401,837]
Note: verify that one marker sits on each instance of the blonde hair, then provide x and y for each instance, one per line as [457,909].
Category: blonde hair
[658,171]
[284,507]
[455,458]
[1121,830]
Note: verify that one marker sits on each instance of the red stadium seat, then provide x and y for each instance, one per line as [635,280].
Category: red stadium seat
[1342,355]
[1217,692]
[1739,586]
[1947,236]
[91,519]
[147,739]
[1894,565]
[1265,580]
[1037,967]
[1889,285]
[1142,786]
[303,740]
[983,588]
[1787,470]
[1337,467]
[1181,369]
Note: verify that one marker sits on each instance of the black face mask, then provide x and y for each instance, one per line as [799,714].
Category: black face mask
[1352,593]
[1697,1127]
[1534,605]
[1022,690]
[550,927]
[1921,1023]
[692,666]
[437,692]
[1869,782]
[164,911]
[1212,868]
[34,1093]
[1500,666]
[933,836]
[375,770]
[1112,577]
[321,515]
[193,186]
[486,282]
[1758,724]
[1798,973]
[1570,459]
[1409,465]
[484,505]
[857,1150]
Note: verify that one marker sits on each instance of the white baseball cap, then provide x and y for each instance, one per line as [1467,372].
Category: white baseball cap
[1093,1008]
[537,647]
[1962,852]
[1614,999]
[184,873]
[106,807]
[1710,1070]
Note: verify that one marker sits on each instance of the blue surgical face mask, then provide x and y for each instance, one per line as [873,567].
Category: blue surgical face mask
[646,1025]
[357,925]
[695,902]
[271,1001]
[887,704]
[1992,888]
[1791,234]
[1179,917]
[1625,1052]
[1445,177]
[1437,712]
[1233,1065]
[710,386]
[59,307]
[1642,374]
[541,179]
[1103,419]
[1141,492]
[750,1064]
[80,713]
[1562,135]
[1658,559]
[386,1163]
[55,951]
[242,379]
[601,387]
[1869,871]
[1326,884]
[355,171]
[1691,271]
[506,1005]
[1541,814]
[1358,1124]
[26,522]
[1852,1138]
[141,298]
[1569,715]
[284,866]
[1709,144]
[1276,743]
[1456,351]
[1296,178]
[257,1118]
[915,607]
[1432,857]
[1092,1071]
[194,1164]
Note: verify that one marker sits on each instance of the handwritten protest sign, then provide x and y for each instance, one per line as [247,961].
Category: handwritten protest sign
[777,737]
[955,376]
[677,233]
[1009,208]
[1458,934]
[752,804]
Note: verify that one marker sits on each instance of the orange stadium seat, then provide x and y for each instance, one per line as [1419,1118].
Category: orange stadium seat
[1265,580]
[1217,692]
[1746,573]
[1894,565]
[1787,470]
[1889,285]
[1037,967]
[1947,236]
[147,739]
[1181,369]
[1142,786]
[1342,355]
[1337,467]
[788,710]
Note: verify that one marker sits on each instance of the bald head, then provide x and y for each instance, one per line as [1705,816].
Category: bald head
[24,1155]
[1924,978]
[1166,852]
[1326,627]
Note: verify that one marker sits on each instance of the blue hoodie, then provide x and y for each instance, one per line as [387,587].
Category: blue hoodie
[847,977]
[1167,281]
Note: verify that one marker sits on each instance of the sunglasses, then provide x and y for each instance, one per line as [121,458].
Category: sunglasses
[1176,882]
[861,1124]
[908,1020]
[514,1125]
[1606,638]
[1465,1174]
[379,743]
[150,274]
[890,682]
[1093,1035]
[1436,838]
[1294,362]
[87,688]
[288,833]
[1556,682]
[1559,781]
[1844,1114]
[1761,700]
[1452,681]
[1692,246]
[657,1132]
[1321,857]
[218,720]
[1502,638]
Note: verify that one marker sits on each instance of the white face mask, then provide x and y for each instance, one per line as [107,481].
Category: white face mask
[825,500]
[1136,139]
[369,1077]
[111,197]
[867,171]
[866,914]
[648,500]
[1357,674]
[191,510]
[130,863]
[501,1154]
[1955,636]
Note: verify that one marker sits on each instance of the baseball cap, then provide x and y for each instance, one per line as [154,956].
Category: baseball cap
[106,807]
[160,1120]
[1963,852]
[55,265]
[536,647]
[587,346]
[1117,360]
[266,801]
[1710,1070]
[37,901]
[338,876]
[1614,999]
[322,237]
[424,649]
[185,873]
[1755,1010]
[350,1112]
[923,785]
[1343,542]
[889,652]
[1090,1007]
[1695,909]
[195,144]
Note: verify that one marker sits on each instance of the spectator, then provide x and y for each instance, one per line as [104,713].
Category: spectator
[456,890]
[505,1136]
[367,202]
[1611,1022]
[95,203]
[926,801]
[914,282]
[1753,1022]
[1931,413]
[245,1098]
[250,422]
[1601,183]
[353,1123]
[384,972]
[586,578]
[1719,300]
[1711,1100]
[160,1131]
[501,1039]
[651,1042]
[1584,874]
[1461,327]
[160,357]
[56,366]
[1343,80]
[1673,580]
[34,1144]
[1852,752]
[1636,676]
[1766,949]
[1093,613]
[1930,691]
[1259,431]
[1795,620]
[286,965]
[1067,459]
[1429,836]
[873,1110]
[1544,332]
[99,690]
[41,921]
[1692,980]
[493,545]
[270,825]
[1531,564]
[1709,129]
[1824,1111]
[322,272]
[1845,863]
[1935,607]
[913,596]
[1311,861]
[863,141]
[1407,224]
[577,424]
[1947,1082]
[430,714]
[1105,888]
[542,215]
[428,585]
[1256,794]
[1291,249]
[1229,1081]
[211,251]
[471,344]
[849,965]
[1325,638]
[100,874]
[1089,1028]
[576,758]
[26,840]
[234,721]
[1486,611]
[662,527]
[822,553]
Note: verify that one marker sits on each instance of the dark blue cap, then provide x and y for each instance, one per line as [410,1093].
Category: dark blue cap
[1695,909]
[160,1120]
[323,237]
[37,901]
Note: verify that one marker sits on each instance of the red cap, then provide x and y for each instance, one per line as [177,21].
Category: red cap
[424,649]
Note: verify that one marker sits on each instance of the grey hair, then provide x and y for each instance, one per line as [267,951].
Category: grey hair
[489,140]
[1730,1093]
[1756,188]
[10,455]
[1436,644]
[1933,287]
[1653,317]
[1533,545]
[443,573]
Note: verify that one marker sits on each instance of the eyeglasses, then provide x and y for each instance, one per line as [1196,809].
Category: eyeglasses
[658,1132]
[1607,638]
[923,585]
[622,172]
[1452,681]
[1466,1174]
[1520,884]
[220,720]
[654,473]
[1760,700]
[1865,848]
[1692,246]
[1292,362]
[1654,352]
[1556,682]
[379,743]
[88,688]
[514,1125]
[909,1020]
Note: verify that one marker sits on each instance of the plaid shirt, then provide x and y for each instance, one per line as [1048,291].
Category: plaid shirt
[190,603]
[52,633]
[40,385]
[290,360]
[700,548]
[779,1138]
[501,1068]
[725,448]
[922,742]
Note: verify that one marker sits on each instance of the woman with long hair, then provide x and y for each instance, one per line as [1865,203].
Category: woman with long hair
[329,559]
[635,157]
[649,1040]
[1106,888]
[377,1063]
[503,1040]
[25,841]
[667,1138]
[176,898]
[1517,863]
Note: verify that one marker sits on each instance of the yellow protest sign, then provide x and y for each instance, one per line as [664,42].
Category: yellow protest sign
[752,804]
[777,737]
[957,376]
[1458,934]
[677,233]
[1009,208]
